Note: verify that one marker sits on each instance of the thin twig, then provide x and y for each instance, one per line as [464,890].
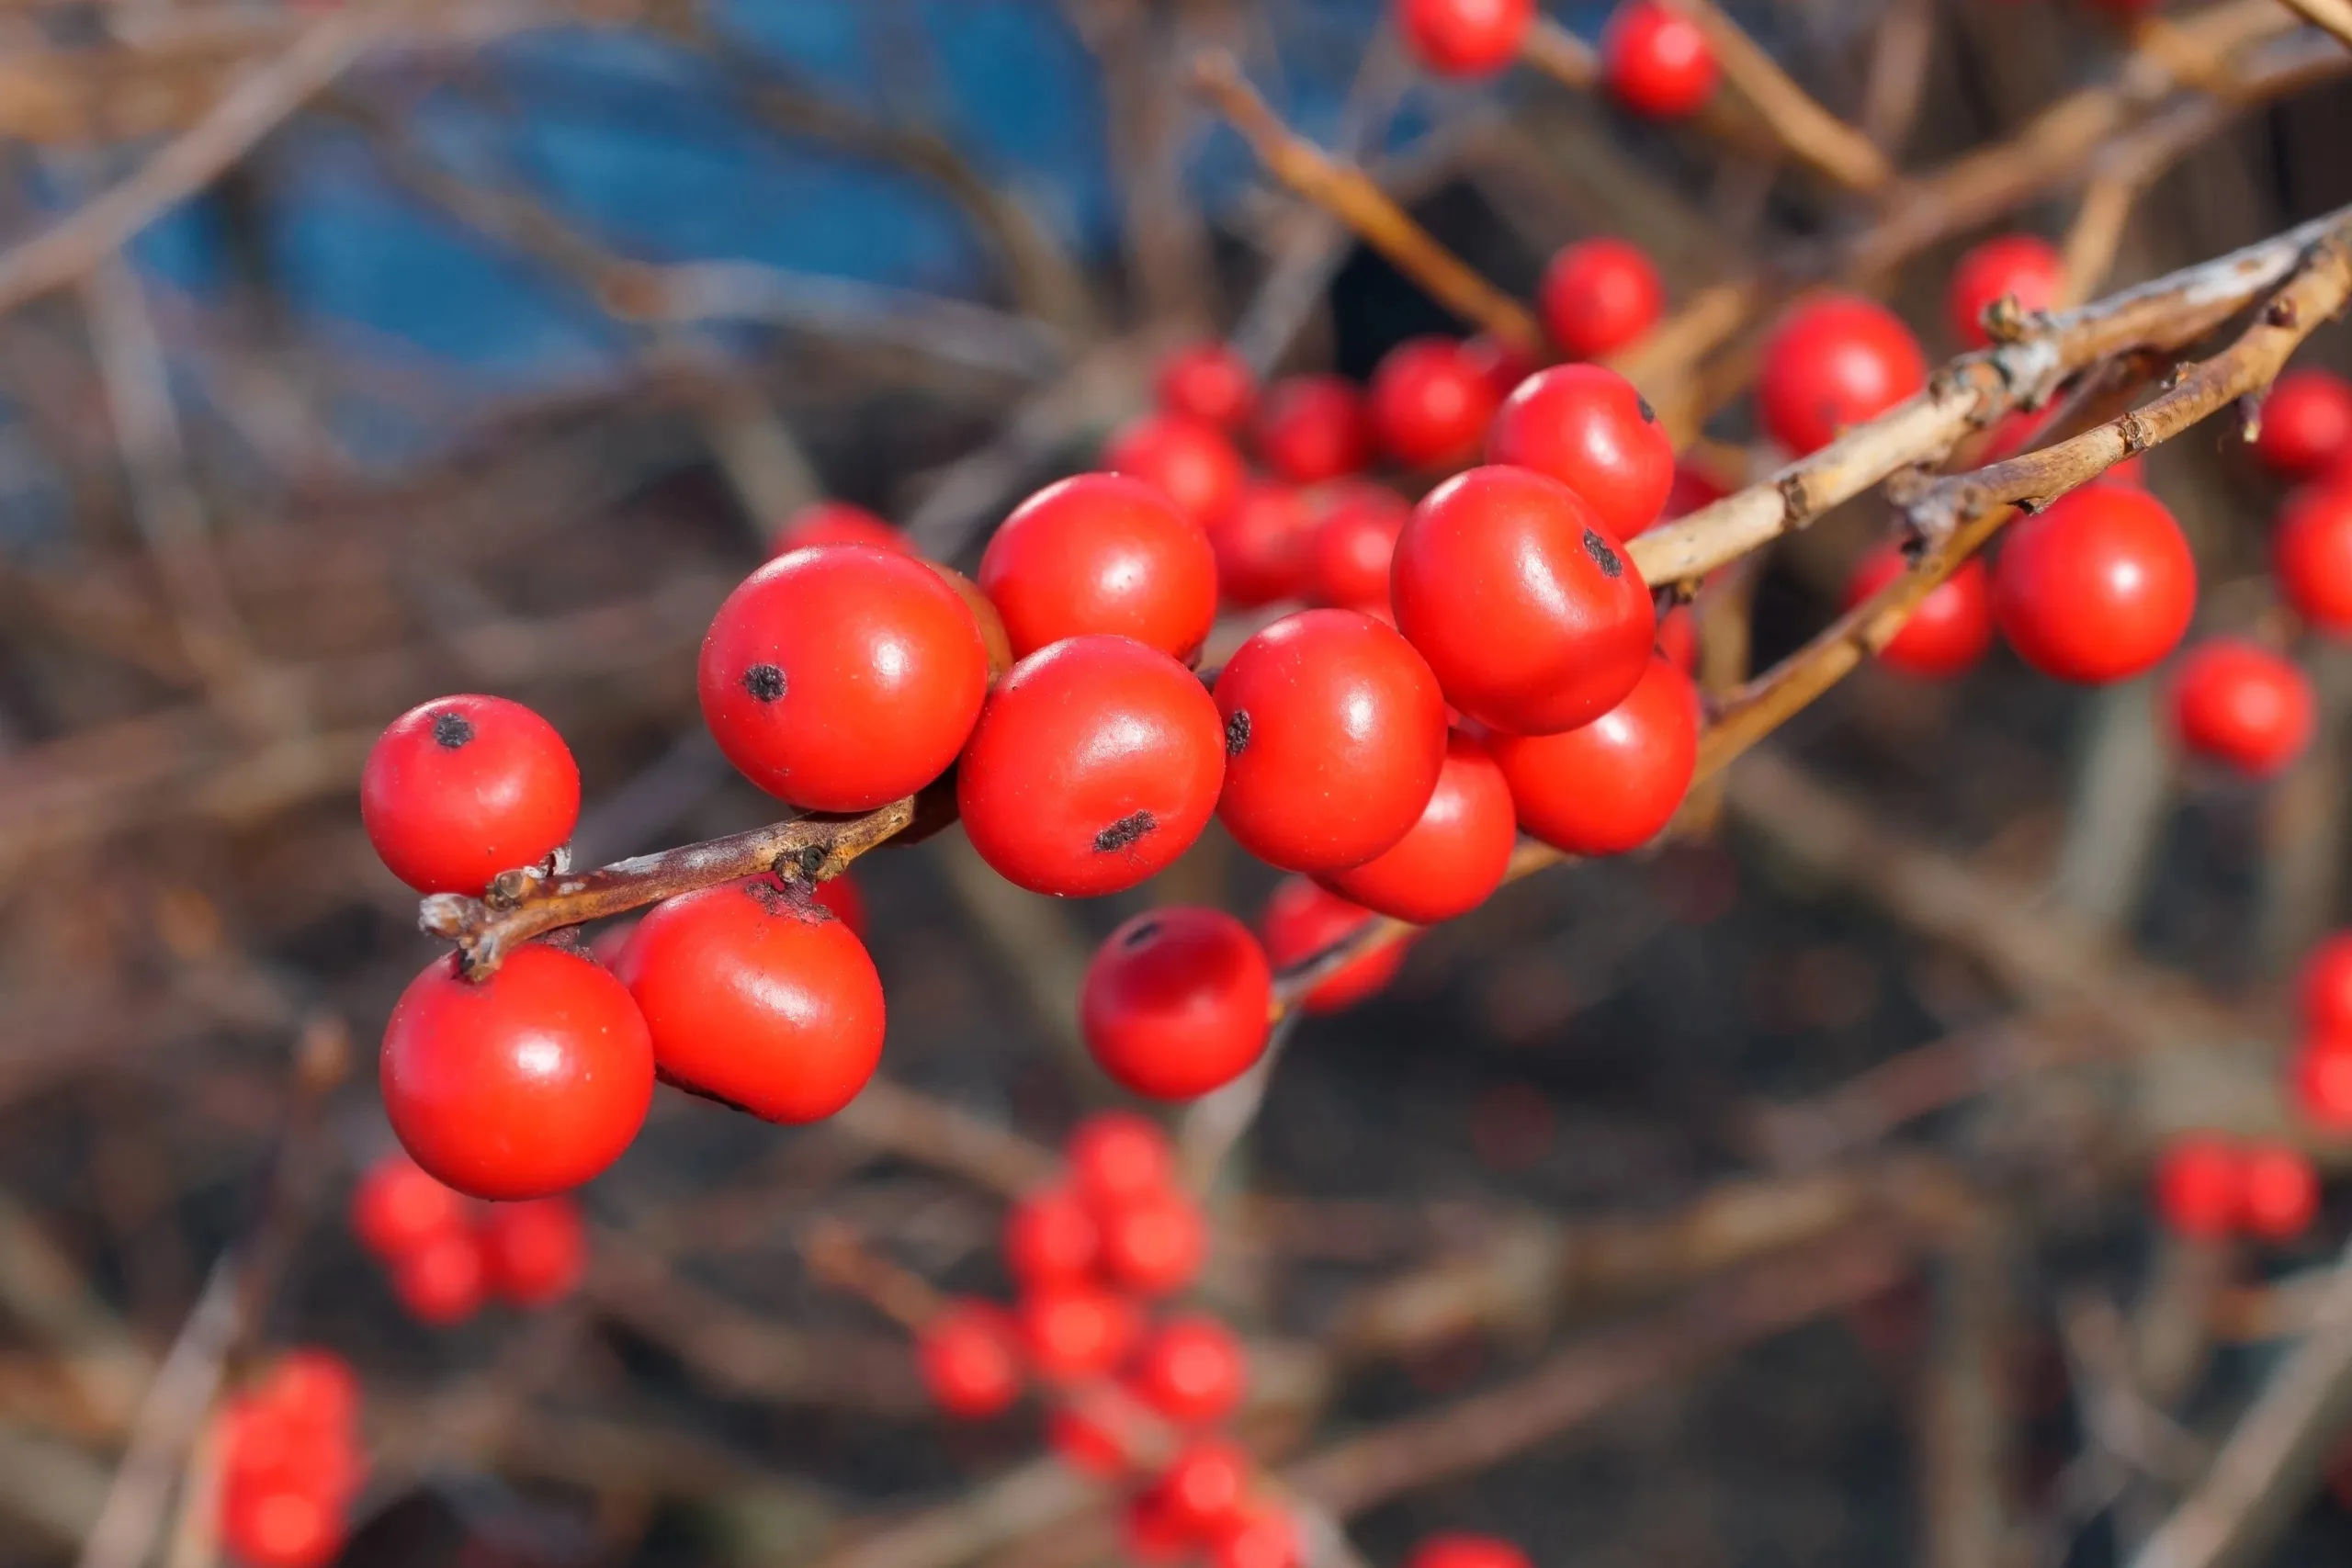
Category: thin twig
[1811,133]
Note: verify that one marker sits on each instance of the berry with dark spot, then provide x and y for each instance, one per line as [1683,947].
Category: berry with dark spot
[1585,426]
[1176,1002]
[462,788]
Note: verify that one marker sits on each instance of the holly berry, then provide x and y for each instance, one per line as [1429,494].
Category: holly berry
[1205,1486]
[2238,703]
[1503,363]
[1678,639]
[838,894]
[836,523]
[1464,37]
[2323,986]
[1354,544]
[2321,1078]
[520,1086]
[1304,919]
[316,1390]
[1259,1537]
[2023,267]
[1153,1244]
[441,1283]
[1050,1238]
[1313,428]
[1191,1370]
[1209,382]
[1523,601]
[398,1207]
[1176,1002]
[1075,1331]
[1832,362]
[1187,460]
[533,1253]
[757,998]
[1430,404]
[969,1357]
[1101,553]
[1655,62]
[1586,427]
[1453,857]
[457,790]
[1467,1551]
[1598,296]
[1612,785]
[1117,1158]
[1264,547]
[1096,762]
[842,678]
[1948,631]
[2311,555]
[2280,1192]
[2097,587]
[2200,1192]
[281,1527]
[2306,424]
[1334,734]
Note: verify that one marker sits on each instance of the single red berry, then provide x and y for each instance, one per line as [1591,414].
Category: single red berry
[1313,428]
[1467,1551]
[520,1086]
[1051,1238]
[280,1527]
[2097,587]
[457,790]
[1176,1002]
[1504,364]
[1304,919]
[1077,1331]
[1598,296]
[1265,547]
[1102,553]
[1524,603]
[1656,64]
[1206,1486]
[2321,1078]
[2199,1189]
[1833,362]
[838,894]
[1209,382]
[2280,1192]
[441,1282]
[399,1206]
[840,678]
[1117,1156]
[1191,1370]
[1948,631]
[1693,489]
[1260,1537]
[1153,1244]
[757,998]
[1151,1533]
[2023,267]
[535,1254]
[2323,986]
[1097,762]
[1430,404]
[836,523]
[2238,703]
[1464,37]
[1087,1443]
[1187,460]
[1611,785]
[1334,734]
[1585,426]
[2306,424]
[1678,639]
[316,1390]
[1453,857]
[2311,554]
[1354,544]
[970,1360]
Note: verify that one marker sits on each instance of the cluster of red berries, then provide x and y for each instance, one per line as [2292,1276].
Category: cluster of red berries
[447,1253]
[291,1462]
[1655,61]
[2210,1188]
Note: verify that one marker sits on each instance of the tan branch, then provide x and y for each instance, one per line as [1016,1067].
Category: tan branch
[1810,133]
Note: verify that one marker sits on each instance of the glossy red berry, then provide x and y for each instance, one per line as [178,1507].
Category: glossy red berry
[2097,587]
[1678,639]
[2199,1191]
[839,895]
[1354,544]
[1176,1002]
[399,1207]
[1453,857]
[280,1527]
[1523,601]
[2236,701]
[1102,553]
[1463,38]
[1209,382]
[970,1360]
[521,1086]
[1950,630]
[1097,762]
[1153,1244]
[1188,460]
[457,790]
[1117,1158]
[1206,1486]
[1191,1370]
[2323,986]
[1598,296]
[1051,1238]
[1585,426]
[1832,363]
[441,1283]
[757,998]
[837,522]
[1265,547]
[1467,1551]
[2321,1080]
[2024,267]
[1260,1537]
[1504,364]
[1611,785]
[1656,64]
[1304,919]
[533,1253]
[1074,1331]
[1430,404]
[840,678]
[2280,1192]
[2311,555]
[2306,424]
[1313,428]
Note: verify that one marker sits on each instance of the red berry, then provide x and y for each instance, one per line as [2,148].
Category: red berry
[1150,1533]
[535,1254]
[1191,1371]
[838,894]
[1176,1002]
[2306,424]
[280,1527]
[970,1360]
[1187,460]
[1334,733]
[520,1086]
[1453,857]
[2198,1188]
[2323,986]
[2321,1077]
[1948,631]
[1304,919]
[2280,1192]
[1430,404]
[1077,1331]
[1504,364]
[1050,1238]
[398,1207]
[1598,296]
[757,998]
[1313,428]
[1585,426]
[1611,785]
[1153,1246]
[1525,605]
[1833,362]
[1260,1537]
[1354,544]
[2098,587]
[1678,639]
[1209,382]
[457,790]
[2024,267]
[840,678]
[1464,37]
[441,1282]
[1102,553]
[1116,1157]
[1097,762]
[836,523]
[2311,554]
[2238,703]
[1692,489]
[1205,1488]
[1655,62]
[316,1390]
[1467,1551]
[1265,547]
